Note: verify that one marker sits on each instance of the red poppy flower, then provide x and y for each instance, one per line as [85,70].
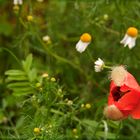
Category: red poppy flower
[126,97]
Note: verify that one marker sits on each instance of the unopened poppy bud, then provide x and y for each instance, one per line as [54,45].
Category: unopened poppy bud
[113,113]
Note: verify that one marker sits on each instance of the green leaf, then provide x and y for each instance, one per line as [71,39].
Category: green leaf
[16,78]
[5,28]
[103,135]
[23,89]
[14,72]
[27,63]
[18,84]
[20,122]
[91,123]
[113,124]
[22,93]
[32,74]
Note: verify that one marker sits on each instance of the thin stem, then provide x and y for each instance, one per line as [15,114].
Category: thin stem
[107,67]
[57,112]
[60,58]
[118,131]
[105,129]
[14,128]
[14,56]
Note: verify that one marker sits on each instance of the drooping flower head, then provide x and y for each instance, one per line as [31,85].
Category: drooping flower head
[99,65]
[130,37]
[124,96]
[84,41]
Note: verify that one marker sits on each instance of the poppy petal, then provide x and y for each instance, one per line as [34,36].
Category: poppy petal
[136,112]
[110,97]
[128,102]
[130,81]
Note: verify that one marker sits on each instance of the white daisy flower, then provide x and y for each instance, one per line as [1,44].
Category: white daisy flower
[99,65]
[84,41]
[130,37]
[18,2]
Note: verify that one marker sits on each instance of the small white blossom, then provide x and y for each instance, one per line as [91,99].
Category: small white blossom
[130,37]
[46,38]
[84,41]
[18,2]
[99,64]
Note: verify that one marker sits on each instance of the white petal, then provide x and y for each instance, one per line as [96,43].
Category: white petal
[132,43]
[128,41]
[99,62]
[20,2]
[15,2]
[97,69]
[98,65]
[81,46]
[124,39]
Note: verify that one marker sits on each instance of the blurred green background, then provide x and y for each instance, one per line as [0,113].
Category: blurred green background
[26,105]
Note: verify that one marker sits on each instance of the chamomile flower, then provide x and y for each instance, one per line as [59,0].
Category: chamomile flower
[18,2]
[130,37]
[99,65]
[84,41]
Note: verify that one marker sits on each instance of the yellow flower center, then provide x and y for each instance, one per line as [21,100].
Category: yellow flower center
[132,31]
[85,37]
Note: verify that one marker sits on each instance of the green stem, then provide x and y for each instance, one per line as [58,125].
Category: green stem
[14,128]
[22,23]
[12,54]
[60,58]
[118,131]
[57,112]
[107,67]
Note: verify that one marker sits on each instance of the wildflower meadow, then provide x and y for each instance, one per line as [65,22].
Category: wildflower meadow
[69,70]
